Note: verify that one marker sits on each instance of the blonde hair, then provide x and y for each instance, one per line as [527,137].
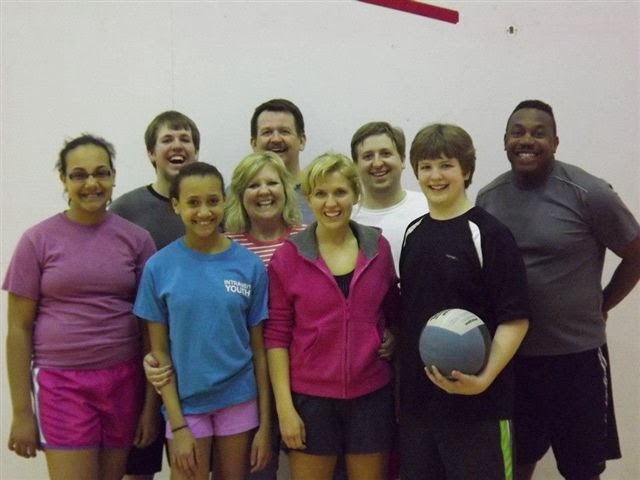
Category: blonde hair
[326,164]
[236,218]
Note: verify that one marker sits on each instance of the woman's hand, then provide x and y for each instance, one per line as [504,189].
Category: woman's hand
[388,345]
[156,375]
[261,449]
[292,430]
[147,429]
[183,452]
[23,437]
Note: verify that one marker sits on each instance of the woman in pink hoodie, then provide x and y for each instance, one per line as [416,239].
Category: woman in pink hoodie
[333,291]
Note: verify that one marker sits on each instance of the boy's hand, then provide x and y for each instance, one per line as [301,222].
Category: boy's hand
[459,383]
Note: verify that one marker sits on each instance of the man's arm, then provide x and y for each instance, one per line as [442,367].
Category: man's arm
[624,278]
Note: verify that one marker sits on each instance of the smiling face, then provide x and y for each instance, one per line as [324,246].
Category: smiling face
[332,200]
[380,165]
[173,149]
[88,180]
[276,132]
[443,183]
[531,143]
[200,204]
[264,197]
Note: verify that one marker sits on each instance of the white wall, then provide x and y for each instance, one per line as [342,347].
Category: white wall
[110,67]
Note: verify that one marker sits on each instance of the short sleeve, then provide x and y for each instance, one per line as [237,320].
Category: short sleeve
[149,305]
[258,310]
[25,270]
[609,218]
[505,276]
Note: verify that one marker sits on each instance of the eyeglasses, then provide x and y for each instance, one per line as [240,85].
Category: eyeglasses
[100,174]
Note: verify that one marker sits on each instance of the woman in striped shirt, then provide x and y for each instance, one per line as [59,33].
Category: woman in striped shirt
[262,209]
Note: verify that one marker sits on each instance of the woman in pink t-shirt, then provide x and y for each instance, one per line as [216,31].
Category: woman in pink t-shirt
[73,345]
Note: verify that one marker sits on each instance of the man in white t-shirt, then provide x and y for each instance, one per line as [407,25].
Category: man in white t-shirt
[379,149]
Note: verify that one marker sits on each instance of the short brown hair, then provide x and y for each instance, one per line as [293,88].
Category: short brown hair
[378,128]
[175,121]
[440,139]
[278,105]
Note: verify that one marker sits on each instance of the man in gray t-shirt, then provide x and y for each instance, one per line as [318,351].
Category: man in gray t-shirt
[563,220]
[172,140]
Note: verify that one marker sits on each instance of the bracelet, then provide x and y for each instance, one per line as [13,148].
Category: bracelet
[174,430]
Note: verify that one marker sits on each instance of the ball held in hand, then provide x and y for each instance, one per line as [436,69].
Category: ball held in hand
[455,339]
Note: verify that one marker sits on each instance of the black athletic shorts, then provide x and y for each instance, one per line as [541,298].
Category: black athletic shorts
[565,402]
[455,449]
[148,460]
[356,426]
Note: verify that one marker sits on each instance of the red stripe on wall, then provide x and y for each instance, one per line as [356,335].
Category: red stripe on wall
[418,8]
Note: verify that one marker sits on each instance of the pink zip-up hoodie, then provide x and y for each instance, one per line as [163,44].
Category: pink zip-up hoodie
[333,341]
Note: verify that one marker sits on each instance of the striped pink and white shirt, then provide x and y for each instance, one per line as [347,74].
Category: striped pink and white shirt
[264,249]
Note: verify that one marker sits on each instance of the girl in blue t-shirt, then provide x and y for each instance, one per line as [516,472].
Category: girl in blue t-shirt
[204,298]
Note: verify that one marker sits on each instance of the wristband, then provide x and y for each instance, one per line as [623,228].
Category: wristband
[174,430]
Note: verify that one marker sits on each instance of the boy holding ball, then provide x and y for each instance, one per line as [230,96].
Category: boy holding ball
[457,256]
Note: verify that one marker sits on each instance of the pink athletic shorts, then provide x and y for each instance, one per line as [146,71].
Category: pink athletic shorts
[226,421]
[79,409]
